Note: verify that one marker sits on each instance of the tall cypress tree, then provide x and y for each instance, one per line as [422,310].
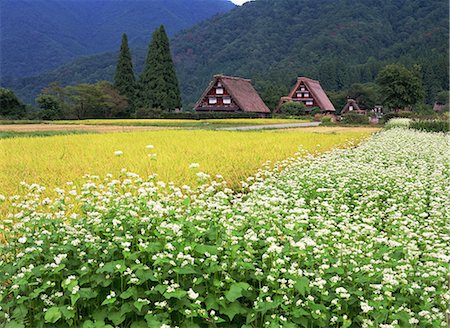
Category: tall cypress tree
[159,84]
[124,80]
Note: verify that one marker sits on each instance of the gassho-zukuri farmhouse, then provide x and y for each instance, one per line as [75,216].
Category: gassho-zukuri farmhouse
[233,94]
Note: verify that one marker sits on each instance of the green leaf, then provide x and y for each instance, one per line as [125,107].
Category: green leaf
[145,275]
[132,291]
[68,314]
[211,303]
[233,309]
[152,322]
[109,301]
[185,270]
[139,305]
[87,293]
[202,249]
[52,315]
[74,298]
[88,324]
[139,324]
[20,313]
[236,291]
[347,323]
[302,285]
[14,324]
[176,294]
[116,317]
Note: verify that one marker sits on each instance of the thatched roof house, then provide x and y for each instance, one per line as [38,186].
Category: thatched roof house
[352,107]
[310,93]
[231,94]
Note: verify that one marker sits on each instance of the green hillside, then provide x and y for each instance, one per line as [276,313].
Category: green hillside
[39,35]
[272,42]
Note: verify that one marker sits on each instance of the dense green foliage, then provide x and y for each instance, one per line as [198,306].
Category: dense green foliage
[430,125]
[293,108]
[124,80]
[158,85]
[40,35]
[353,118]
[272,42]
[51,107]
[337,42]
[399,87]
[10,106]
[99,100]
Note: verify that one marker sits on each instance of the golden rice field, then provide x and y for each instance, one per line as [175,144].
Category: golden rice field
[179,123]
[53,161]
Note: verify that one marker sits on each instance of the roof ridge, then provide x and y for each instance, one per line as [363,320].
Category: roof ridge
[231,77]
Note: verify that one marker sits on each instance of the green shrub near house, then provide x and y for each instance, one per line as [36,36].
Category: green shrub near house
[353,118]
[430,125]
[293,108]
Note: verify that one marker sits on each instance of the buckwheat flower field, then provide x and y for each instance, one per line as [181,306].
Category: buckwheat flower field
[351,238]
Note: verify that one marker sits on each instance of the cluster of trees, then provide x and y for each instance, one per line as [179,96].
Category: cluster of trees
[396,88]
[98,100]
[10,106]
[156,89]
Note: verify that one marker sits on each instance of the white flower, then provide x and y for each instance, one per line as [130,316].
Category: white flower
[192,295]
[22,240]
[149,146]
[194,165]
[118,153]
[365,307]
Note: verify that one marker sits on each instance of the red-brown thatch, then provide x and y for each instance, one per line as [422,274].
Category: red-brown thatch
[316,91]
[242,93]
[355,107]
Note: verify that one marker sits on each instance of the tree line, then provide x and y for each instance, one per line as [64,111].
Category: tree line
[156,90]
[395,87]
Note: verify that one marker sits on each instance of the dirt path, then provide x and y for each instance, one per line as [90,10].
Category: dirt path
[76,127]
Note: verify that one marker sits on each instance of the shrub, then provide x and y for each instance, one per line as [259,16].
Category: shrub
[326,121]
[430,125]
[353,118]
[157,113]
[293,108]
[397,123]
[314,111]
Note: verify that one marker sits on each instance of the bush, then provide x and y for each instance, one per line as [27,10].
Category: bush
[157,113]
[314,111]
[327,120]
[293,108]
[430,125]
[397,123]
[353,118]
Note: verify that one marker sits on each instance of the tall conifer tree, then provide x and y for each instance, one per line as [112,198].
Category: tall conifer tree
[124,80]
[159,84]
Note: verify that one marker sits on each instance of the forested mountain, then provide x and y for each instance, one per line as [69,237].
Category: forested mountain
[38,35]
[339,42]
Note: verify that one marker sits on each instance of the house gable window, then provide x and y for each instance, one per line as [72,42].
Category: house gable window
[227,100]
[212,100]
[219,91]
[309,103]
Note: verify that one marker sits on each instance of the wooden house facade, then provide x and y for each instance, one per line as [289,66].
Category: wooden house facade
[311,94]
[352,107]
[231,94]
